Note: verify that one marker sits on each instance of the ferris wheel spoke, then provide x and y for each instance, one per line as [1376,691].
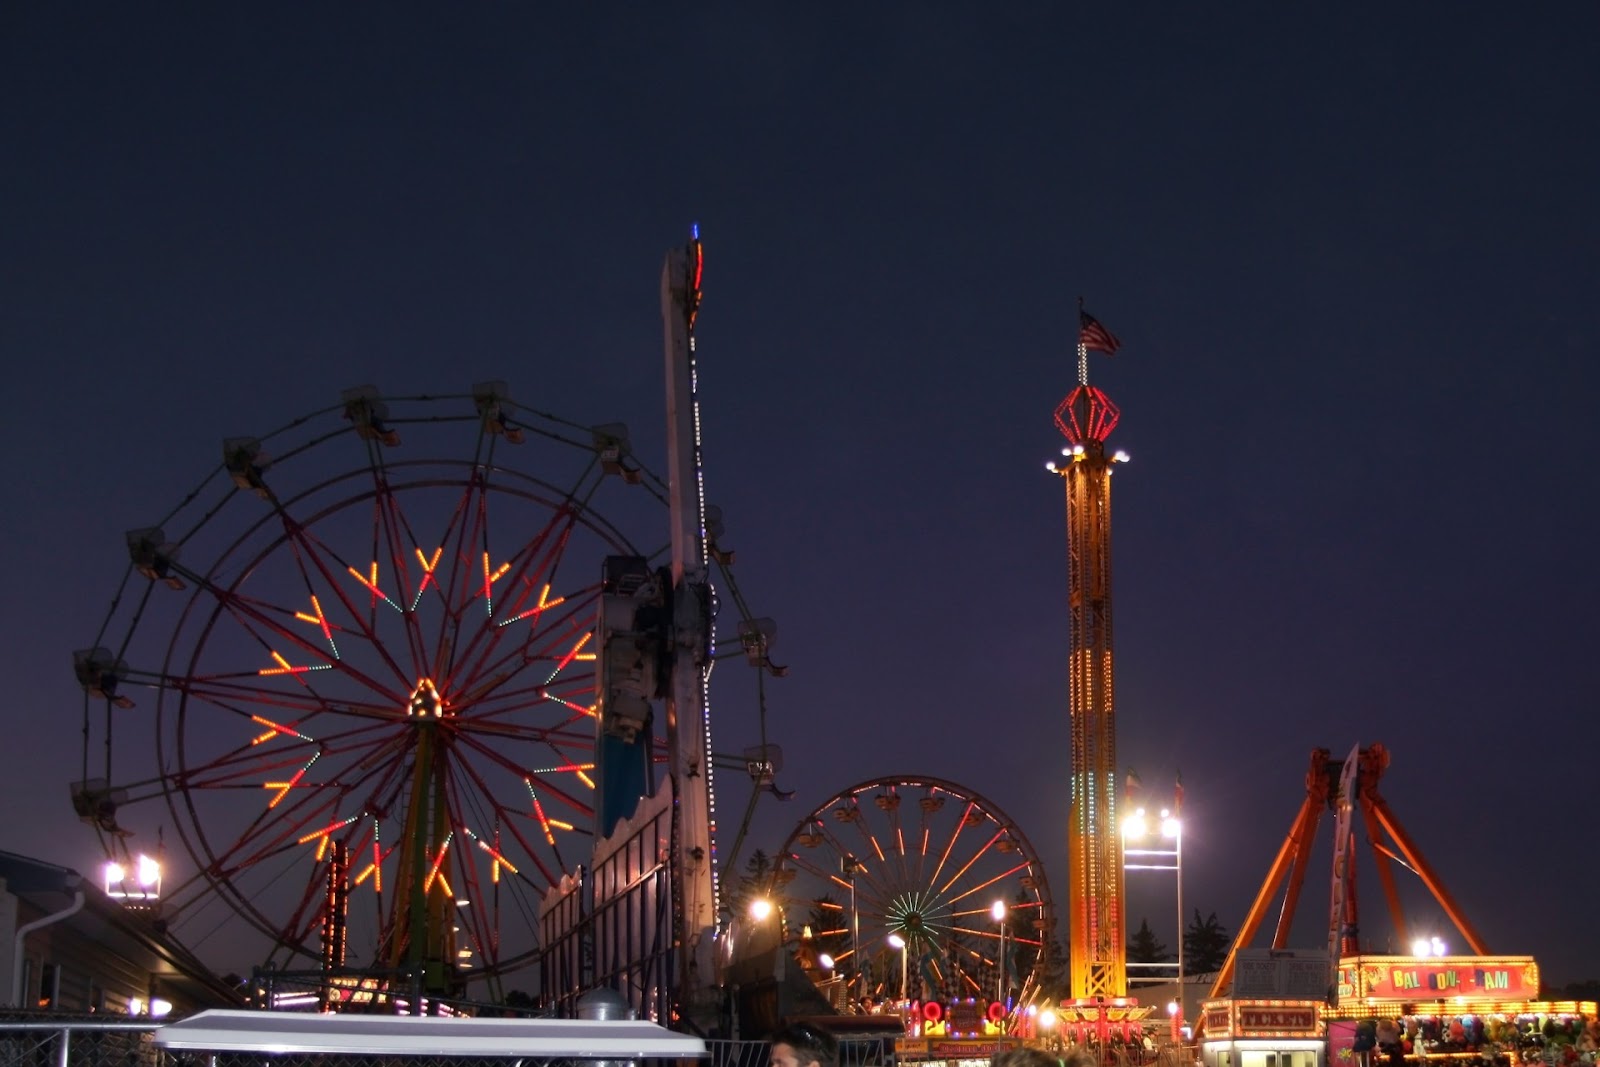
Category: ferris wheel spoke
[253,754]
[981,886]
[870,839]
[239,696]
[461,583]
[862,870]
[273,832]
[976,856]
[873,901]
[559,734]
[392,533]
[494,756]
[532,565]
[965,821]
[528,850]
[487,699]
[559,700]
[928,806]
[257,623]
[304,545]
[525,662]
[499,858]
[897,836]
[538,562]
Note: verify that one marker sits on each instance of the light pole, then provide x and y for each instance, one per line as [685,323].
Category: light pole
[1169,858]
[848,864]
[999,913]
[896,941]
[1172,827]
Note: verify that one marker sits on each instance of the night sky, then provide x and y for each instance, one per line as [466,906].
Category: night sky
[1352,257]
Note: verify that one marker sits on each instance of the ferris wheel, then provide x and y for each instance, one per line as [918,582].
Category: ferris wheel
[918,888]
[353,673]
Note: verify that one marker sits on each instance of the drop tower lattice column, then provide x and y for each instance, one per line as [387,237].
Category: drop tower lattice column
[1097,928]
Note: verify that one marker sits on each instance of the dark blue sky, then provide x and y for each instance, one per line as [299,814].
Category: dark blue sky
[1352,257]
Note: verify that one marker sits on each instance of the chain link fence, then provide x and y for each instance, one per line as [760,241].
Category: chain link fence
[98,1042]
[87,1042]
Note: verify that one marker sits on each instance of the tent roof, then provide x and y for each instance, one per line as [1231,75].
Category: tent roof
[411,1036]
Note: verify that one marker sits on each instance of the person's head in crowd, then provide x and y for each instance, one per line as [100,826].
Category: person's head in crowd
[804,1045]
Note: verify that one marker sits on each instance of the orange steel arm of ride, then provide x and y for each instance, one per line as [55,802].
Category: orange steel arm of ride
[1380,859]
[1318,786]
[1391,825]
[1304,827]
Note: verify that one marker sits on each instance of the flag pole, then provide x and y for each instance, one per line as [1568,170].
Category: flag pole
[1083,350]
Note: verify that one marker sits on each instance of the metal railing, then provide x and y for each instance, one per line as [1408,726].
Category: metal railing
[31,1041]
[874,1051]
[78,1041]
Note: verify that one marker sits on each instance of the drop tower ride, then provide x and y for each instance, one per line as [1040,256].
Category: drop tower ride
[1097,928]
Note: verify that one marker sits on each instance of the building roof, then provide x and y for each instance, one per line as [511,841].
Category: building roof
[136,936]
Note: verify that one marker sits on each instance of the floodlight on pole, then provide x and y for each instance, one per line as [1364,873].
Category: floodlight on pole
[896,941]
[999,912]
[1140,854]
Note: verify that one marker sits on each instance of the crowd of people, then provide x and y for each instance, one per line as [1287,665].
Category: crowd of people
[808,1045]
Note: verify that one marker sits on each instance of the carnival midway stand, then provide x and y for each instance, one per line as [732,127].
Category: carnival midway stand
[1273,1016]
[1473,1009]
[264,1039]
[959,1031]
[1248,1032]
[1463,1009]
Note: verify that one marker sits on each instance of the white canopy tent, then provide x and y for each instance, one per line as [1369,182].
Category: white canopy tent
[416,1036]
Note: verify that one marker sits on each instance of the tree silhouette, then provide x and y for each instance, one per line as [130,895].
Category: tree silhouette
[754,883]
[1144,948]
[1205,944]
[830,926]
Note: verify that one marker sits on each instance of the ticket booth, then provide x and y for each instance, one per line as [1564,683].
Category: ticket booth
[1263,1033]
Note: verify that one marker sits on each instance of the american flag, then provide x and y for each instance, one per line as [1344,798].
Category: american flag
[1095,337]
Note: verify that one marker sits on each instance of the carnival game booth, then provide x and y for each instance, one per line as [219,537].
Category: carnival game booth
[1245,1032]
[1461,1010]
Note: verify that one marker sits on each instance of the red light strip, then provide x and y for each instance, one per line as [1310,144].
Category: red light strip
[537,608]
[284,787]
[544,821]
[428,564]
[499,859]
[589,710]
[284,668]
[274,729]
[372,584]
[325,831]
[489,578]
[375,868]
[321,620]
[570,656]
[437,863]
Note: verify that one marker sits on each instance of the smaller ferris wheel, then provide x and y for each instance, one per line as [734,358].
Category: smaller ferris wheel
[918,888]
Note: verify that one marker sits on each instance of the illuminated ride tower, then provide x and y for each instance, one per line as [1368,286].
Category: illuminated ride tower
[1094,844]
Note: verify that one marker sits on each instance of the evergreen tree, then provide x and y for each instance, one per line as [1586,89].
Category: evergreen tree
[1144,948]
[830,926]
[1205,945]
[756,882]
